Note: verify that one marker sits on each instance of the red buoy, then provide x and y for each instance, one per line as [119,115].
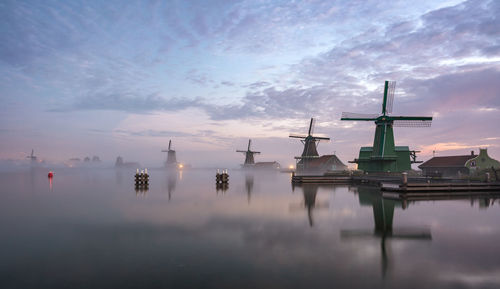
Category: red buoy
[51,174]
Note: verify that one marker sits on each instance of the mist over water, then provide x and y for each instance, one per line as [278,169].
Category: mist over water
[91,228]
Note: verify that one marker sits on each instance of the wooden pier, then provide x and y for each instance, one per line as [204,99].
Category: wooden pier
[441,187]
[440,191]
[321,179]
[404,188]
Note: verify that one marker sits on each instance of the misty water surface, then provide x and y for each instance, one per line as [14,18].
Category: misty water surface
[92,229]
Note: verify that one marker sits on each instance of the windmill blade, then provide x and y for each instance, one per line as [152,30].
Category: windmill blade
[321,138]
[358,116]
[255,152]
[240,151]
[249,142]
[390,96]
[311,126]
[297,136]
[412,123]
[169,144]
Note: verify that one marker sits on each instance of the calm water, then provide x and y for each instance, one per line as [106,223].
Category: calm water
[91,229]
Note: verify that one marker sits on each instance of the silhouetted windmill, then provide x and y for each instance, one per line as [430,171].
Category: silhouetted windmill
[249,159]
[171,158]
[32,157]
[384,156]
[310,146]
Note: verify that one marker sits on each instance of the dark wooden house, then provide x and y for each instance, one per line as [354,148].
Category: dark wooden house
[449,166]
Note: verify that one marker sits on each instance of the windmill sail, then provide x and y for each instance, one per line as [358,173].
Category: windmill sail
[390,96]
[311,126]
[363,116]
[412,123]
[171,156]
[383,156]
[310,146]
[298,135]
[249,158]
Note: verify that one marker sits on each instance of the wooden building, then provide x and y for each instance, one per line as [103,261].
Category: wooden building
[448,166]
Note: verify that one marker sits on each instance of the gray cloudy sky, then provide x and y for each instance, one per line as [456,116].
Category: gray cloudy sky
[123,77]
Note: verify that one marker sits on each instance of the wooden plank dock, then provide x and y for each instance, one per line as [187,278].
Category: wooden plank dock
[416,188]
[441,187]
[321,179]
[440,191]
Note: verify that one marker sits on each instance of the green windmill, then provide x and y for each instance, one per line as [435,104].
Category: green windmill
[384,156]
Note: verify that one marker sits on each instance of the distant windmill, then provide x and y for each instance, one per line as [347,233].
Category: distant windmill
[310,147]
[171,158]
[384,156]
[32,157]
[249,159]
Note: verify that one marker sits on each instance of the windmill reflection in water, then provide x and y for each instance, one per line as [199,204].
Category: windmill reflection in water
[383,215]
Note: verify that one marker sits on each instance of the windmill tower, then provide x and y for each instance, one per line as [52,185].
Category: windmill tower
[171,158]
[384,156]
[310,146]
[32,157]
[249,159]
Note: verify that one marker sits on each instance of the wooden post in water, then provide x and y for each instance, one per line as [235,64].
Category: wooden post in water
[405,178]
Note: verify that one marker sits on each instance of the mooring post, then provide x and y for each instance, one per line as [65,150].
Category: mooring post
[405,178]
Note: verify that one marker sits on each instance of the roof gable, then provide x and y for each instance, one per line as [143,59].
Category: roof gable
[449,161]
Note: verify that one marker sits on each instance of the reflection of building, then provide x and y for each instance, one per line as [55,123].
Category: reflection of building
[383,215]
[310,191]
[221,187]
[249,185]
[171,183]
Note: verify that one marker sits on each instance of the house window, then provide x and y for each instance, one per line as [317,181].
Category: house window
[473,163]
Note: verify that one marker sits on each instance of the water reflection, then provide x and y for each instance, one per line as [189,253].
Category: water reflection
[119,176]
[310,191]
[249,179]
[221,187]
[383,216]
[141,189]
[262,244]
[171,183]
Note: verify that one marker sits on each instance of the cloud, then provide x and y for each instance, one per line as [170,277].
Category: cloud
[153,133]
[456,91]
[132,102]
[274,103]
[198,78]
[257,85]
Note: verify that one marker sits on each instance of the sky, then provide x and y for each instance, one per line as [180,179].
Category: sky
[110,78]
